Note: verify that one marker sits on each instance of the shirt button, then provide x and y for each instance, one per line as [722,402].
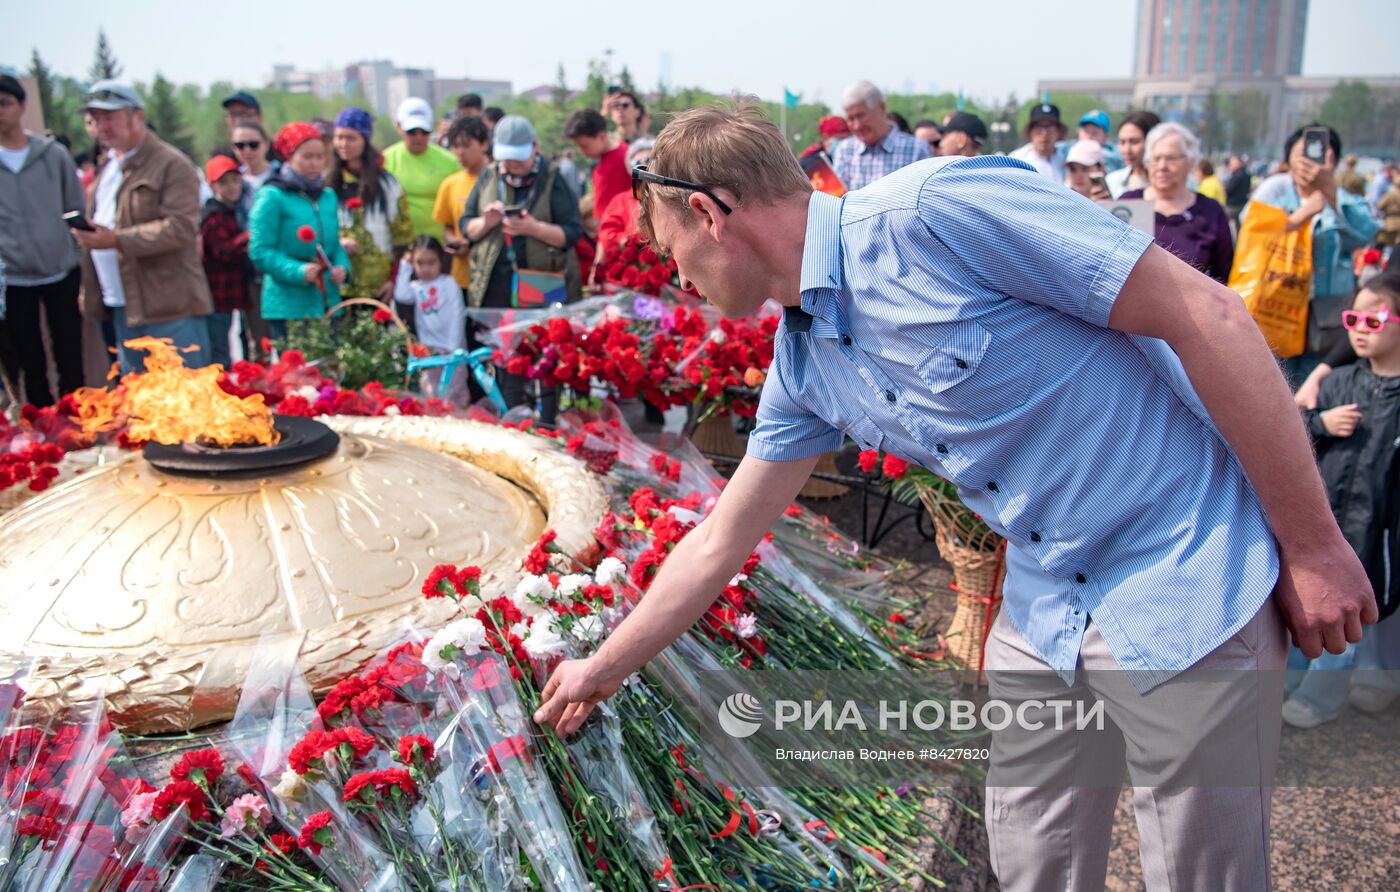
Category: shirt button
[889,395]
[943,449]
[962,363]
[993,486]
[846,339]
[1080,578]
[1035,537]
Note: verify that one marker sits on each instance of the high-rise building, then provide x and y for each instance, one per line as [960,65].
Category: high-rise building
[1229,69]
[1225,38]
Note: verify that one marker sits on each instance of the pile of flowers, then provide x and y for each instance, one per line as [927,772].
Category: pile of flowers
[669,357]
[426,770]
[633,264]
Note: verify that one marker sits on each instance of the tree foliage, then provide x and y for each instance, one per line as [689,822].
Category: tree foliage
[104,61]
[43,84]
[164,116]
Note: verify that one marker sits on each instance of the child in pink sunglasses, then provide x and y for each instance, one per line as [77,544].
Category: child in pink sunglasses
[1356,427]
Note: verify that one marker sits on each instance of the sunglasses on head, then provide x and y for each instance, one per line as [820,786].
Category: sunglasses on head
[252,144]
[1355,320]
[641,176]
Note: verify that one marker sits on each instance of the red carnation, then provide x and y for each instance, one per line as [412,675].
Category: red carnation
[895,468]
[316,832]
[306,234]
[439,583]
[383,316]
[176,794]
[869,460]
[415,745]
[354,204]
[510,748]
[204,767]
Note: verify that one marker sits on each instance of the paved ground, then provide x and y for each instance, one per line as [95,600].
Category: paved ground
[1324,837]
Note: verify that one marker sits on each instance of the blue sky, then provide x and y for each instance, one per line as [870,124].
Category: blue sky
[986,49]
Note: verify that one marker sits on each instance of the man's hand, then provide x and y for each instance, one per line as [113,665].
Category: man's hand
[693,576]
[100,238]
[1341,421]
[522,226]
[1325,597]
[491,216]
[573,689]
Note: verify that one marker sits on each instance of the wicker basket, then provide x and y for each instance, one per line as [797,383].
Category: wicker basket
[978,558]
[716,436]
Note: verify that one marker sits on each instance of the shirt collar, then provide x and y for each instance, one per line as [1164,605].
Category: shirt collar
[821,247]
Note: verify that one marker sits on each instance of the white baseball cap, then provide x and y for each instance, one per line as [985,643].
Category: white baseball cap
[415,114]
[1085,152]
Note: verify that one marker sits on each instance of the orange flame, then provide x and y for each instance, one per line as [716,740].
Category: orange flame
[172,404]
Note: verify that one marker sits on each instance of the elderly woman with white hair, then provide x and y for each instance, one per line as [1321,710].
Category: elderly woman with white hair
[1190,225]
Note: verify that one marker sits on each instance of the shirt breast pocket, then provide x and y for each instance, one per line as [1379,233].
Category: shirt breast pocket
[973,372]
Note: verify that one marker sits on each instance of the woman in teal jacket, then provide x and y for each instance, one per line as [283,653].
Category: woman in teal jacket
[293,216]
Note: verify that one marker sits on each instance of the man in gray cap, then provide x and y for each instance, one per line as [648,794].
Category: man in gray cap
[521,215]
[141,261]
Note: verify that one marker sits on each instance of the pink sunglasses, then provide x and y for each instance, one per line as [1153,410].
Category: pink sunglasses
[1355,320]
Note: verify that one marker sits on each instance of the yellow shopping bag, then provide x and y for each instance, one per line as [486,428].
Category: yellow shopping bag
[1273,273]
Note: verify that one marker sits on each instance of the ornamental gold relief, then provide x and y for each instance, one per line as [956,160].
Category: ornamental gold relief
[149,588]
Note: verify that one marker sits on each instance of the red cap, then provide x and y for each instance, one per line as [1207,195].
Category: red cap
[833,126]
[289,138]
[217,166]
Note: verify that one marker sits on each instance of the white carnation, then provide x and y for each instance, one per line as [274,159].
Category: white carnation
[290,786]
[531,586]
[746,625]
[589,628]
[469,634]
[610,570]
[543,642]
[571,584]
[308,393]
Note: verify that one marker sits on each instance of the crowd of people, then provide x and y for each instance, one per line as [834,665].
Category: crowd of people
[284,226]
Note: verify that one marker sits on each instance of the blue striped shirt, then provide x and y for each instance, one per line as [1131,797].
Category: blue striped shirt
[858,165]
[955,314]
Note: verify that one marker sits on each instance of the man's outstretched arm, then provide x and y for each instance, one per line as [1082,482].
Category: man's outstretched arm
[1323,590]
[693,576]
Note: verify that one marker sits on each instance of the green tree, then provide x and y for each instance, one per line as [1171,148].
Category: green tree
[560,94]
[104,61]
[595,89]
[43,85]
[1244,116]
[163,114]
[624,80]
[1211,127]
[1350,110]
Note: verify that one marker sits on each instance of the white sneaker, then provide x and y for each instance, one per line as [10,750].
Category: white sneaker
[1369,698]
[1301,715]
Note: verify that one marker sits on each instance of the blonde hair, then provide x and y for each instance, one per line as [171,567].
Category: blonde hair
[734,148]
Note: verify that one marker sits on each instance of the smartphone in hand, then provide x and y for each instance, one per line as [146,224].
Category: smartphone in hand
[76,220]
[1315,144]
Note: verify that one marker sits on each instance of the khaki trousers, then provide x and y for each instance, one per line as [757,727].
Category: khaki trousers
[1200,751]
